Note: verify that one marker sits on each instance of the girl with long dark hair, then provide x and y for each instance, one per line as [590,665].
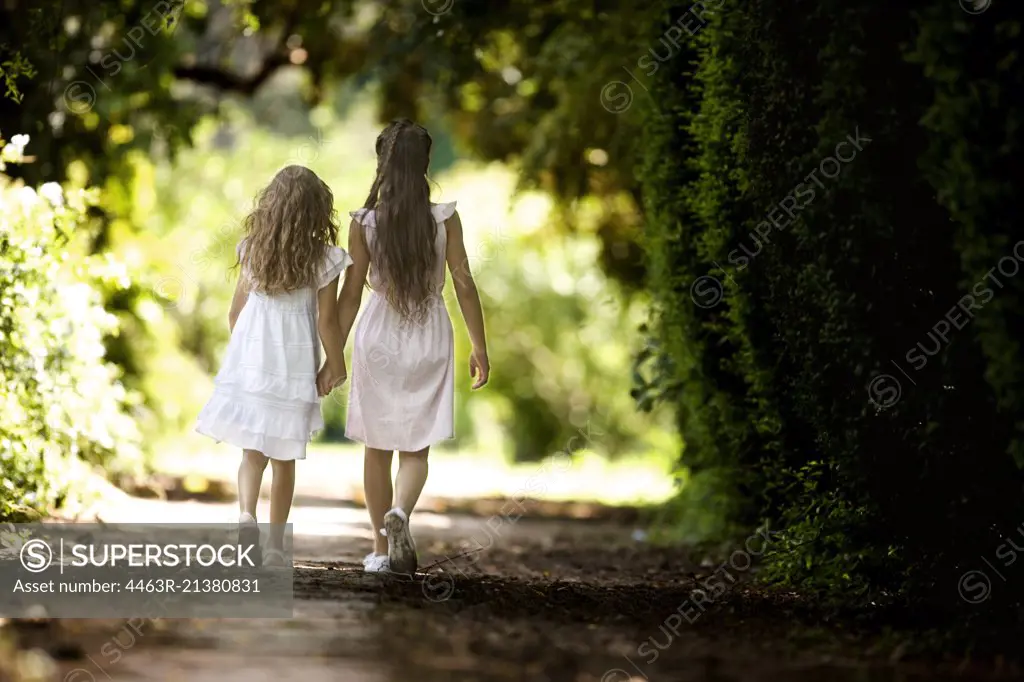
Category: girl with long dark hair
[403,365]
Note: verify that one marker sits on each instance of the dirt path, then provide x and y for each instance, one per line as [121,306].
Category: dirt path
[566,601]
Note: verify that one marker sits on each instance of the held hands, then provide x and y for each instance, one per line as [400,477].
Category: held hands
[327,380]
[479,368]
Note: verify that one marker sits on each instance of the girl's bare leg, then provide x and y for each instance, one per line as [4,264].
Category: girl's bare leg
[378,491]
[282,490]
[412,476]
[250,478]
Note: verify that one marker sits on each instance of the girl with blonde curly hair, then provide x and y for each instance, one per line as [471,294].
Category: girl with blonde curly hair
[266,399]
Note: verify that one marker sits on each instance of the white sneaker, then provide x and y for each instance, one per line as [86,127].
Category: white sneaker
[371,557]
[401,548]
[274,558]
[249,534]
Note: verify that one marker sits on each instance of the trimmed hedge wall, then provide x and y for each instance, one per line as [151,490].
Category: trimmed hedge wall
[825,182]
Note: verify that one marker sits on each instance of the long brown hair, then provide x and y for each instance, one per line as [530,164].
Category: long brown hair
[402,250]
[287,234]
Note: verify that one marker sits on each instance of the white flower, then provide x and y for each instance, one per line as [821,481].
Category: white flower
[53,193]
[27,197]
[15,149]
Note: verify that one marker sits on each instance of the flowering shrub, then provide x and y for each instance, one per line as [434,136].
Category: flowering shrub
[59,398]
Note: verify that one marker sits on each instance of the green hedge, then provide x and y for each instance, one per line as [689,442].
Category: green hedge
[59,398]
[772,382]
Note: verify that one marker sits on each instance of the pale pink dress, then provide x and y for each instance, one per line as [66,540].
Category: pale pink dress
[402,394]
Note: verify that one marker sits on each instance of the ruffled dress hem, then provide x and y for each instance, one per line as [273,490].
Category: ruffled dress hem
[282,432]
[234,434]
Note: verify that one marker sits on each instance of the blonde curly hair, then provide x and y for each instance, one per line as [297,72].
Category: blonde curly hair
[288,232]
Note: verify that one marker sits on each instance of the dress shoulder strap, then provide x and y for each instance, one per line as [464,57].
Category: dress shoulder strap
[443,212]
[366,217]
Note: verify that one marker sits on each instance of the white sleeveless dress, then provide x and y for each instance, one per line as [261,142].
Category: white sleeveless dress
[402,392]
[265,395]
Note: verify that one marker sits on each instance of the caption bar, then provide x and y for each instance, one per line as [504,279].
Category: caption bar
[141,571]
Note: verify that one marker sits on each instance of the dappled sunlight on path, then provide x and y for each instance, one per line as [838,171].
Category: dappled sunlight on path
[540,599]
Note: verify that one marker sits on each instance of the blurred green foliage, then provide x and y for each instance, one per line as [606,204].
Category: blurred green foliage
[59,398]
[562,339]
[560,331]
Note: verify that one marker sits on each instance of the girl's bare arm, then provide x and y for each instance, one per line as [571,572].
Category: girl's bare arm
[330,331]
[238,301]
[352,290]
[466,292]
